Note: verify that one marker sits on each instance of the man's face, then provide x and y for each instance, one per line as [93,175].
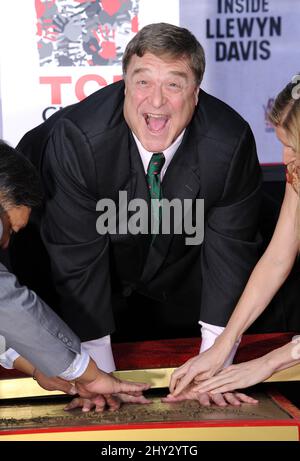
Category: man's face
[13,220]
[160,98]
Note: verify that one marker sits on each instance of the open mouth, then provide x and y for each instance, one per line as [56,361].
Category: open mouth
[156,122]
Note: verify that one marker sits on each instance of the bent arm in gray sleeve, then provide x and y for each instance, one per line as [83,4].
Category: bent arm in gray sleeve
[31,328]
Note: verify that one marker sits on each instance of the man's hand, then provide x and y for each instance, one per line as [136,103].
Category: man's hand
[96,388]
[54,383]
[105,391]
[108,401]
[205,399]
[237,377]
[104,383]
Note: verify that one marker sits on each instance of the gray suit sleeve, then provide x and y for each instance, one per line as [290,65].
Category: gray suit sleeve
[31,328]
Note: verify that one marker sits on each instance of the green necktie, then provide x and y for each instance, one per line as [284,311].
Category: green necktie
[153,178]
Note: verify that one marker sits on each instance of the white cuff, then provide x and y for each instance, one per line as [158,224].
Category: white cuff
[77,367]
[8,357]
[100,351]
[209,334]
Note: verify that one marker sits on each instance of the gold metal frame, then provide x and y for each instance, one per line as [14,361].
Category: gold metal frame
[157,377]
[233,433]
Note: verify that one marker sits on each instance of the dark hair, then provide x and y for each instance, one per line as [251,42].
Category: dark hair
[166,39]
[19,181]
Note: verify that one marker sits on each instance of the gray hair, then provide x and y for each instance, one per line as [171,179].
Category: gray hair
[166,39]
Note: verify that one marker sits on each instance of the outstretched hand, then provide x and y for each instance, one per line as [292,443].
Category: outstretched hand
[110,402]
[202,366]
[237,377]
[205,399]
[89,397]
[101,391]
[105,383]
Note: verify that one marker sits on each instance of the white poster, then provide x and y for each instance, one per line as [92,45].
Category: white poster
[56,52]
[252,51]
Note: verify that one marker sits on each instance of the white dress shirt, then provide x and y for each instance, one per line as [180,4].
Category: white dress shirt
[168,153]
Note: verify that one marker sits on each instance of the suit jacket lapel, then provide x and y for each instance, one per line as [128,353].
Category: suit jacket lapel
[138,188]
[137,168]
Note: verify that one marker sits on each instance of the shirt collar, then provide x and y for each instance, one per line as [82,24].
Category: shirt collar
[168,153]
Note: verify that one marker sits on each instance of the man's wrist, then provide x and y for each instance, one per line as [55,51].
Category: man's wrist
[90,374]
[23,365]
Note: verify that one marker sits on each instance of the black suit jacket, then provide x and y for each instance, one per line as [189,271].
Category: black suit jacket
[87,152]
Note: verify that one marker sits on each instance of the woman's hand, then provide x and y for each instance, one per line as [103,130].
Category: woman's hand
[206,399]
[237,377]
[202,366]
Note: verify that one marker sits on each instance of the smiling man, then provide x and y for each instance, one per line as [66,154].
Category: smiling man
[160,98]
[154,135]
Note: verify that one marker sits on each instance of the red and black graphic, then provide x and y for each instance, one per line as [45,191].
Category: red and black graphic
[84,32]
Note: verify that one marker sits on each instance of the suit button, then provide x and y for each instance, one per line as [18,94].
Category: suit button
[65,340]
[69,343]
[60,335]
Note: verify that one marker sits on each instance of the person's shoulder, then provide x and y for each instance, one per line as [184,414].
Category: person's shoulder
[98,112]
[103,107]
[219,120]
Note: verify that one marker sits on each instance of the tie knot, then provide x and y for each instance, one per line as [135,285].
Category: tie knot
[156,163]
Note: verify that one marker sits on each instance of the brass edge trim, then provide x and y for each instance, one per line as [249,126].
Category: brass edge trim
[27,387]
[157,377]
[269,433]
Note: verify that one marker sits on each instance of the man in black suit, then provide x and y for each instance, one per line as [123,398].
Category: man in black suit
[148,286]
